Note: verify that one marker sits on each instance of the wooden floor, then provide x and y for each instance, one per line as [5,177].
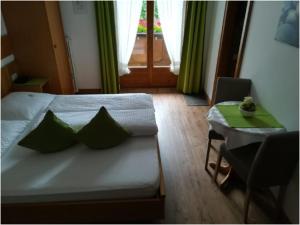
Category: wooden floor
[191,196]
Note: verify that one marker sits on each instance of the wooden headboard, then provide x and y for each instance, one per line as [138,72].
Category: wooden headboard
[8,70]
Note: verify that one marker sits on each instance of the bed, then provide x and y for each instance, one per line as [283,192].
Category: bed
[80,185]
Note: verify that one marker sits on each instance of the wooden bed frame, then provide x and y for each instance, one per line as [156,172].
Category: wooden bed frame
[91,211]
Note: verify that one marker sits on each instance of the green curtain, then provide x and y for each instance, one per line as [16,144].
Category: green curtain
[107,46]
[189,80]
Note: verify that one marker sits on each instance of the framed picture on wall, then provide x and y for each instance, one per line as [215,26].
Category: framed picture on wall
[288,25]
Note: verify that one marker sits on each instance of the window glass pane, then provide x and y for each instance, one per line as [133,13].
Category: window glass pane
[160,54]
[139,54]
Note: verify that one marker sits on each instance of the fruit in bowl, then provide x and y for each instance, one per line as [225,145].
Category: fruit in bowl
[247,107]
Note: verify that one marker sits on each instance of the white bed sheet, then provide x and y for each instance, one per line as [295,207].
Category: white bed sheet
[127,171]
[63,103]
[11,132]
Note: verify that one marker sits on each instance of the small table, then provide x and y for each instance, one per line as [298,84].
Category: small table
[236,137]
[33,85]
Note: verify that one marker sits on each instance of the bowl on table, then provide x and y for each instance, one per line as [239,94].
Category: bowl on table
[246,113]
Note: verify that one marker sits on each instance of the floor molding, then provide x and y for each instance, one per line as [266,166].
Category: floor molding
[207,98]
[89,91]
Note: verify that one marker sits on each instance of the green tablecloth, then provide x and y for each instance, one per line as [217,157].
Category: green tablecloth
[261,118]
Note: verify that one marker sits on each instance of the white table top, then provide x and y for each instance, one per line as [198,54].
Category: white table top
[236,137]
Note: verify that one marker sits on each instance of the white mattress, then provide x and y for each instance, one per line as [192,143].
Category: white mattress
[130,170]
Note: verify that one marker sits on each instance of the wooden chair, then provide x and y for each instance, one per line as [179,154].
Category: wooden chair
[228,89]
[263,165]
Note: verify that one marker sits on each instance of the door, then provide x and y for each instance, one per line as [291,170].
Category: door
[234,33]
[149,63]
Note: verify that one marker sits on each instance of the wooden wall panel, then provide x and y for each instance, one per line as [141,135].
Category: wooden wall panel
[28,29]
[9,69]
[6,48]
[59,45]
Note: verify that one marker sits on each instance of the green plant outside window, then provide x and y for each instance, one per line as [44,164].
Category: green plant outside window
[142,27]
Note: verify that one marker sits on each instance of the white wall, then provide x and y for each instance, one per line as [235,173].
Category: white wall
[214,20]
[81,28]
[273,67]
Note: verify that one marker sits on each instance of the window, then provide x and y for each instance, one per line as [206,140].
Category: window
[140,50]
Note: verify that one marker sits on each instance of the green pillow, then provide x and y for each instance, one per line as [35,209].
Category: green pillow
[51,135]
[102,131]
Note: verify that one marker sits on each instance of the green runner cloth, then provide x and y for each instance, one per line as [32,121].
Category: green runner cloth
[261,118]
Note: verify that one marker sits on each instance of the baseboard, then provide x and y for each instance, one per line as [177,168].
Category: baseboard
[148,90]
[207,98]
[89,91]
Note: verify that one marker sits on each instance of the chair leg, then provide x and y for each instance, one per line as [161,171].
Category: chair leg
[207,155]
[247,203]
[218,163]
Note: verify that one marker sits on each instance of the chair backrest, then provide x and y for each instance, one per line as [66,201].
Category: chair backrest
[275,160]
[231,89]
